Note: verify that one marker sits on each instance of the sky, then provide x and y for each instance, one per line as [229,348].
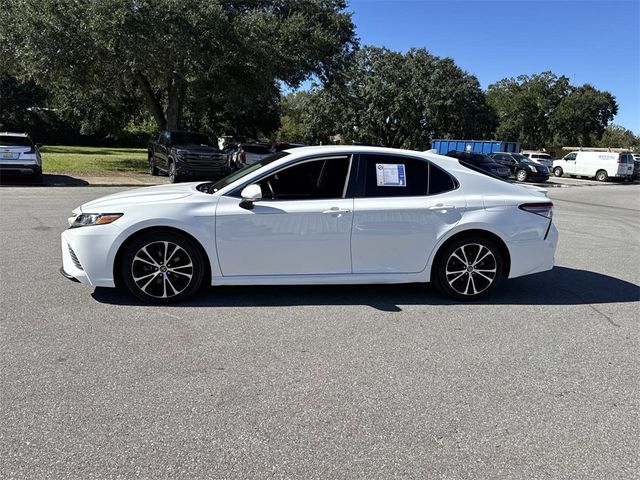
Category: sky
[589,41]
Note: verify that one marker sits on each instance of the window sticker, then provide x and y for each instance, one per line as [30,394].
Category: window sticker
[391,175]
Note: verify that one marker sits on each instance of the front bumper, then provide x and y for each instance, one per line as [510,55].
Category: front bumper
[88,254]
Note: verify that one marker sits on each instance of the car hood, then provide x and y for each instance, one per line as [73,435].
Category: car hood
[129,198]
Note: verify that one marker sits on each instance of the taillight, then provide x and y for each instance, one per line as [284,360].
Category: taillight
[544,209]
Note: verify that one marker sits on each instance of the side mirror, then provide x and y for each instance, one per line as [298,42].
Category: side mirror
[251,193]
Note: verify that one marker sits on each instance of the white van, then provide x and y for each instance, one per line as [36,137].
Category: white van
[601,165]
[541,158]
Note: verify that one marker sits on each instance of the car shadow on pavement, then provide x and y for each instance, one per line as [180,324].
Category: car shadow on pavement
[48,180]
[560,286]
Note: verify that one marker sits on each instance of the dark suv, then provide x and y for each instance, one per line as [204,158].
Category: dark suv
[522,168]
[480,161]
[187,154]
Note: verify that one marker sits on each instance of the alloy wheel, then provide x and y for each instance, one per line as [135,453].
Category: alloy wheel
[521,176]
[162,269]
[471,269]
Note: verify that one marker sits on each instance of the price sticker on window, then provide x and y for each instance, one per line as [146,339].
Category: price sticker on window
[391,175]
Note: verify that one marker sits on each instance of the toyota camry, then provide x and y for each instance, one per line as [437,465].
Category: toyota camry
[316,215]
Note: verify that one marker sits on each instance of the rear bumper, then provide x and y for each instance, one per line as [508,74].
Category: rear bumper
[20,169]
[533,256]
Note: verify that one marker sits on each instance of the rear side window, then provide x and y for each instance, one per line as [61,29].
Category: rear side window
[396,176]
[11,141]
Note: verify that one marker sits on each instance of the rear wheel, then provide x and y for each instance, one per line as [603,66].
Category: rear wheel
[557,171]
[602,176]
[522,175]
[162,267]
[468,268]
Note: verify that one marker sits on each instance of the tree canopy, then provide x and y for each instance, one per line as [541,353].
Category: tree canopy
[400,100]
[545,109]
[174,52]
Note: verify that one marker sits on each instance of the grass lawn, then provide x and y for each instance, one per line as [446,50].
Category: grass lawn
[94,160]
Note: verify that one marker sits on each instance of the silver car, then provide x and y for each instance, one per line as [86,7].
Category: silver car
[19,156]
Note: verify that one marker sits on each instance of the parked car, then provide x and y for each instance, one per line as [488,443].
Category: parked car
[539,157]
[521,167]
[601,165]
[287,146]
[248,153]
[483,162]
[187,154]
[316,215]
[20,156]
[636,167]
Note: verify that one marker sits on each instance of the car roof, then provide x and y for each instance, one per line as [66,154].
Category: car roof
[14,134]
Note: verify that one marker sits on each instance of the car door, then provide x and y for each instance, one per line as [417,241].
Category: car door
[570,163]
[162,154]
[301,226]
[402,207]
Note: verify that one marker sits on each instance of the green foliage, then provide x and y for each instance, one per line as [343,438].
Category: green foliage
[582,116]
[102,56]
[400,100]
[545,109]
[524,105]
[615,136]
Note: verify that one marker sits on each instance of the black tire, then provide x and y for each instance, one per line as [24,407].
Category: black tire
[153,170]
[173,173]
[601,176]
[162,267]
[457,274]
[557,171]
[522,175]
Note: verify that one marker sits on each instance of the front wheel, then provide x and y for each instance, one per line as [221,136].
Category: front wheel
[522,175]
[557,171]
[153,169]
[468,269]
[162,267]
[602,176]
[173,173]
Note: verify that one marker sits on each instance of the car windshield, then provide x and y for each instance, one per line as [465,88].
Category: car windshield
[212,187]
[520,158]
[14,141]
[191,139]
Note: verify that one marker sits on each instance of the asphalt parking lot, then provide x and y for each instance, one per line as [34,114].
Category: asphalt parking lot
[538,381]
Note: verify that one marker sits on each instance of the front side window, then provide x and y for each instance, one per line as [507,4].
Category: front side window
[570,157]
[308,180]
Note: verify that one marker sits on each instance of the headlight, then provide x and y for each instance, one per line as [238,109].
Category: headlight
[532,168]
[87,219]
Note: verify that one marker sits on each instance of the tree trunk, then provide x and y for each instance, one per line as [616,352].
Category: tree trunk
[176,93]
[152,102]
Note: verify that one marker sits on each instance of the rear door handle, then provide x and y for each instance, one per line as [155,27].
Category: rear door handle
[440,207]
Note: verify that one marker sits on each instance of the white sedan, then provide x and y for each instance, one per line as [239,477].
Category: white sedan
[316,215]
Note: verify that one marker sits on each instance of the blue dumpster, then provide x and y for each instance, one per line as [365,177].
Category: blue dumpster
[479,146]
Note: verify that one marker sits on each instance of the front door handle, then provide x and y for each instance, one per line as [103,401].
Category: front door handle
[441,208]
[336,210]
